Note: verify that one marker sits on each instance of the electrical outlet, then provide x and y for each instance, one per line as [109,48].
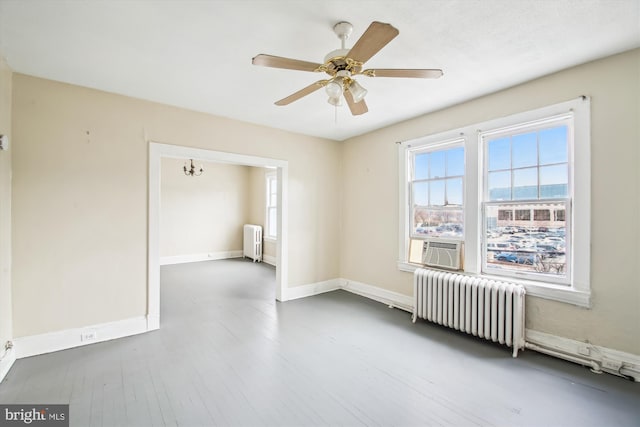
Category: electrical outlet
[584,350]
[4,142]
[88,336]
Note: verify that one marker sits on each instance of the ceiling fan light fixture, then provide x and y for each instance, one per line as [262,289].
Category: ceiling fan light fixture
[357,91]
[333,89]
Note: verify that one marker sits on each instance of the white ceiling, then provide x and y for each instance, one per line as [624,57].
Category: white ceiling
[197,54]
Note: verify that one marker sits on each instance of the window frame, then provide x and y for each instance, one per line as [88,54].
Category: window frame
[578,217]
[268,178]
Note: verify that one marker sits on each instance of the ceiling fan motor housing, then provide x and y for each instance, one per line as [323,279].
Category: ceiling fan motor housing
[338,53]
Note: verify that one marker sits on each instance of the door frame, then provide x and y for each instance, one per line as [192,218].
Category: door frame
[159,150]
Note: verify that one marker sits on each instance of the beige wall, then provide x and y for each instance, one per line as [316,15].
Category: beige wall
[370,197]
[6,333]
[80,199]
[203,214]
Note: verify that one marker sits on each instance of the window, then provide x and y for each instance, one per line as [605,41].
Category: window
[542,215]
[529,176]
[271,221]
[505,215]
[436,191]
[527,166]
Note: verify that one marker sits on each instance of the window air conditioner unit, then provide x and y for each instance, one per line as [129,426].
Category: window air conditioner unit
[442,253]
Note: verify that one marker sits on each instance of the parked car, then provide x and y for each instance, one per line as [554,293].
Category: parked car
[506,257]
[501,246]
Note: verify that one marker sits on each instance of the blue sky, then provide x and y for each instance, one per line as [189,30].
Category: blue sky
[439,166]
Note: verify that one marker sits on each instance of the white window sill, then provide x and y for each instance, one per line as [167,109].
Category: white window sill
[270,239]
[559,293]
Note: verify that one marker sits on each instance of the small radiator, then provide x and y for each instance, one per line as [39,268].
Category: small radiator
[252,247]
[489,309]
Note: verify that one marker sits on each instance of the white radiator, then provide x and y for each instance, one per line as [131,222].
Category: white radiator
[490,309]
[253,242]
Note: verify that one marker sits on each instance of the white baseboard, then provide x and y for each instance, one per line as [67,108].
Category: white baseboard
[268,259]
[384,296]
[310,289]
[153,322]
[608,360]
[70,338]
[210,256]
[6,363]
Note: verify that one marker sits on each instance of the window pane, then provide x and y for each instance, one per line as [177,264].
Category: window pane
[437,199]
[525,150]
[455,162]
[271,227]
[420,223]
[553,145]
[421,166]
[520,244]
[438,222]
[421,193]
[437,164]
[272,223]
[554,181]
[436,193]
[500,185]
[525,184]
[499,154]
[454,191]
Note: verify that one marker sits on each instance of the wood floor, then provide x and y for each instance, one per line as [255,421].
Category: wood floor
[228,355]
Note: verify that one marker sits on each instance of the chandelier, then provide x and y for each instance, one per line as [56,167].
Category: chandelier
[192,170]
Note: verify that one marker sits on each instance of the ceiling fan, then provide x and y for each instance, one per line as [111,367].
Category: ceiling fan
[342,65]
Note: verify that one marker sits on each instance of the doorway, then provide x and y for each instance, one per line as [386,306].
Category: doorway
[156,152]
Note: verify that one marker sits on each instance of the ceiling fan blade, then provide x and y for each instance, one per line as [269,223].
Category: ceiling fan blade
[287,63]
[356,108]
[374,38]
[421,74]
[301,93]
